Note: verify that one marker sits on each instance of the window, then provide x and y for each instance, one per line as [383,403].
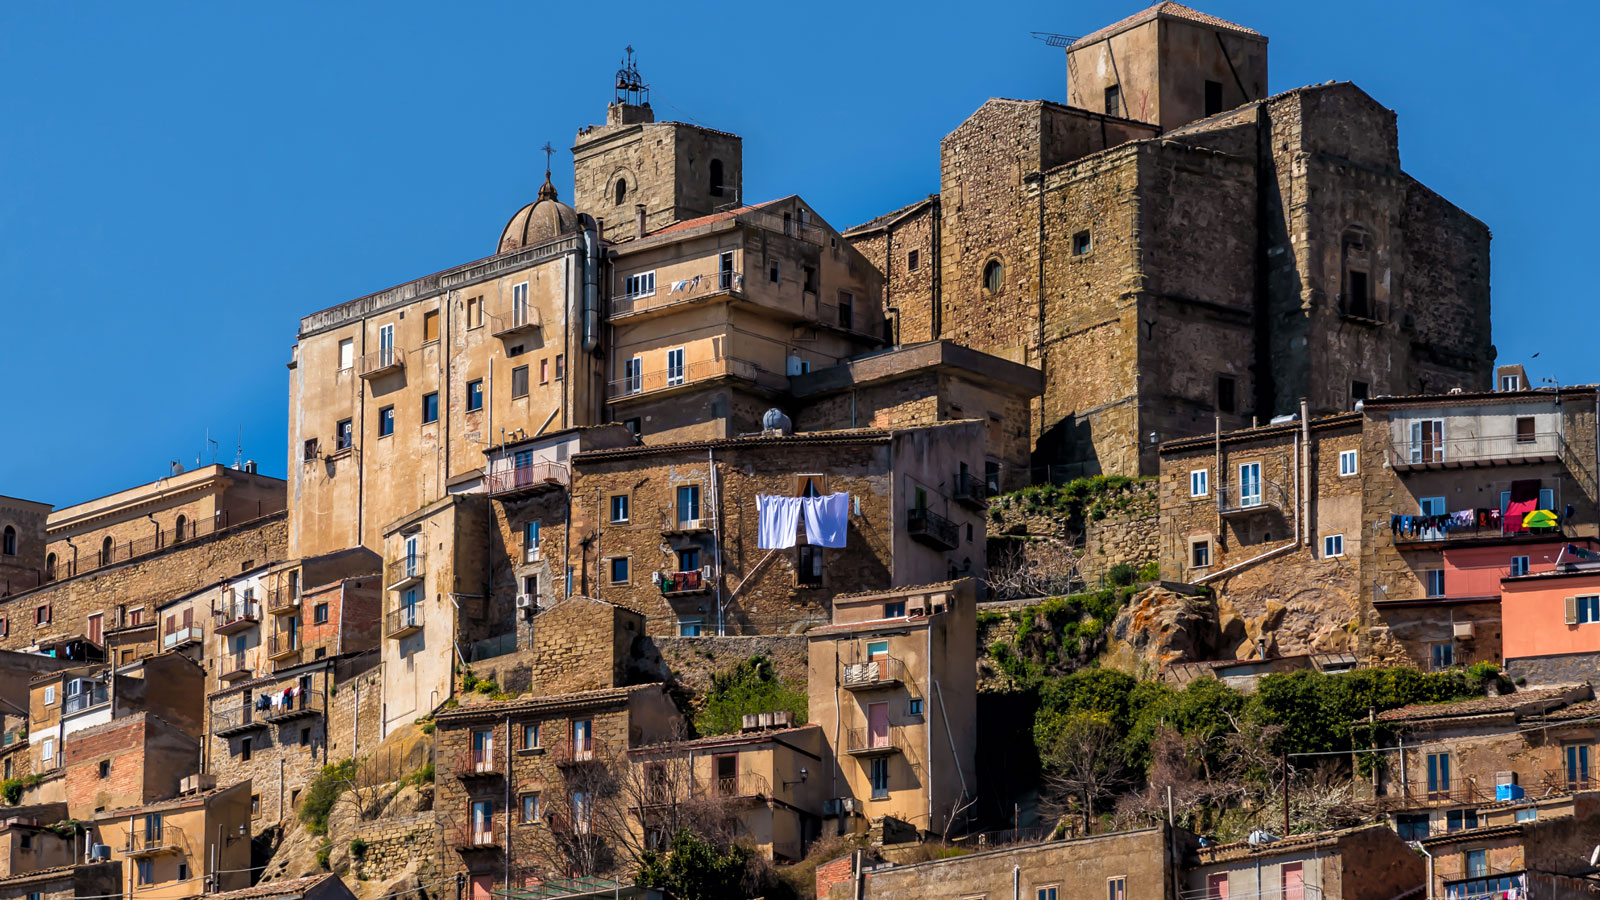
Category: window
[183,871]
[1577,766]
[810,485]
[914,706]
[474,312]
[1348,464]
[896,610]
[347,353]
[5,626]
[1433,582]
[1250,484]
[633,376]
[1046,893]
[519,304]
[544,371]
[41,614]
[430,407]
[1213,97]
[530,541]
[619,570]
[1442,655]
[1427,441]
[305,737]
[582,809]
[1113,105]
[430,326]
[619,508]
[1199,554]
[620,192]
[847,310]
[1510,382]
[147,871]
[1528,815]
[561,366]
[105,768]
[386,421]
[1431,506]
[993,276]
[514,350]
[106,548]
[1359,392]
[1082,244]
[1225,401]
[475,395]
[1583,611]
[1477,863]
[1199,482]
[690,627]
[688,559]
[1333,545]
[246,747]
[385,346]
[808,566]
[530,808]
[880,778]
[1519,566]
[1525,429]
[1217,886]
[530,736]
[311,450]
[688,504]
[344,435]
[716,178]
[319,614]
[640,285]
[809,280]
[772,273]
[912,260]
[1357,301]
[519,382]
[49,750]
[1457,819]
[1412,827]
[674,366]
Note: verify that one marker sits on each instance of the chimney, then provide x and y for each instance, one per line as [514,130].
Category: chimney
[638,215]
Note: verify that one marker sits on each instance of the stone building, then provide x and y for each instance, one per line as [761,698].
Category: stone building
[28,843]
[67,882]
[1365,863]
[22,544]
[192,845]
[1172,246]
[1527,859]
[896,673]
[132,760]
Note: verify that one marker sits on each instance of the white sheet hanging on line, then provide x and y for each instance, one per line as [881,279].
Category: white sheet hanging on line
[827,519]
[778,520]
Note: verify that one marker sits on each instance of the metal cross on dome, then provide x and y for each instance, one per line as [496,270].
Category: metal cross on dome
[548,150]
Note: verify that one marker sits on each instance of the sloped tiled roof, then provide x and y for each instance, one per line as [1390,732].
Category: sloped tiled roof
[1530,701]
[289,888]
[712,219]
[1166,9]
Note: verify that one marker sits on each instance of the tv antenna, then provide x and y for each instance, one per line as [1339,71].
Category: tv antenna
[1056,40]
[631,87]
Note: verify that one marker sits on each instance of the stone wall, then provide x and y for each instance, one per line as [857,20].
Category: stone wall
[687,663]
[904,246]
[397,844]
[1113,526]
[580,644]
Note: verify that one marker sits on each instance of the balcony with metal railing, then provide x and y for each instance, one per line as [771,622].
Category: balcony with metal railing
[1458,792]
[85,700]
[382,362]
[701,370]
[143,841]
[478,762]
[1439,451]
[870,742]
[303,704]
[570,752]
[684,584]
[743,785]
[282,645]
[182,636]
[516,481]
[283,602]
[970,490]
[487,834]
[1485,883]
[234,666]
[880,673]
[1248,497]
[405,571]
[238,616]
[698,287]
[403,622]
[235,719]
[930,528]
[521,319]
[674,523]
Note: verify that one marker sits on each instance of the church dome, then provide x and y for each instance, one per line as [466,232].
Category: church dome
[539,221]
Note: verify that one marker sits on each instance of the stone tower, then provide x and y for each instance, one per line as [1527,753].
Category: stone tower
[671,171]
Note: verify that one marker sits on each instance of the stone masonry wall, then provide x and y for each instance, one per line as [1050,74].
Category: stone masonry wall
[903,245]
[394,844]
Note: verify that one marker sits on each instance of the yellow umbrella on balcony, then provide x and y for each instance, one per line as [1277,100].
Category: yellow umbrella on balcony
[1540,518]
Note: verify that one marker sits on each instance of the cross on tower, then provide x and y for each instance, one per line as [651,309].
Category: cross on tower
[548,150]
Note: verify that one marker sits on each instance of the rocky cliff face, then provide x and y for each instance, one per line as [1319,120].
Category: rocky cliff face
[1160,626]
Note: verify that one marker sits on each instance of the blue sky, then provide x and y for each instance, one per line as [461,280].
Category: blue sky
[180,182]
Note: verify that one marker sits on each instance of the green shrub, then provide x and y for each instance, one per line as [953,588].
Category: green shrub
[1120,575]
[752,686]
[358,848]
[1150,571]
[322,854]
[11,790]
[323,792]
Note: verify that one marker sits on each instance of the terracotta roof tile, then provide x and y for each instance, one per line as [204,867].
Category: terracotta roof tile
[1528,701]
[1165,9]
[712,219]
[274,888]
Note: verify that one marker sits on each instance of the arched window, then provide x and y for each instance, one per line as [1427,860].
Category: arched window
[716,178]
[622,190]
[8,541]
[106,546]
[50,567]
[993,274]
[177,534]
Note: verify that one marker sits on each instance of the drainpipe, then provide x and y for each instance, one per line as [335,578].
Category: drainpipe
[591,287]
[1016,882]
[716,531]
[507,821]
[1305,462]
[1417,846]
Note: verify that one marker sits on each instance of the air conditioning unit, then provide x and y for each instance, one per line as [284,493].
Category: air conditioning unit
[1505,778]
[830,806]
[99,852]
[705,573]
[847,805]
[1463,631]
[527,601]
[782,719]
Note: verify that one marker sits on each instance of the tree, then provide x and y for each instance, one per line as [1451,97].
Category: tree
[753,686]
[693,868]
[1036,567]
[1084,764]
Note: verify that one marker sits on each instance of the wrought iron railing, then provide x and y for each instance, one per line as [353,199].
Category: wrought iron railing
[969,488]
[403,620]
[927,525]
[881,671]
[680,290]
[700,370]
[1247,496]
[405,569]
[1502,449]
[868,740]
[238,613]
[142,839]
[381,361]
[282,643]
[529,477]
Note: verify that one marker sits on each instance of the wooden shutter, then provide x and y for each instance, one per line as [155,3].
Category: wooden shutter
[1572,609]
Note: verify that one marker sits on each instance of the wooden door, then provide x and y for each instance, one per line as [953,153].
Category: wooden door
[878,725]
[1293,882]
[483,887]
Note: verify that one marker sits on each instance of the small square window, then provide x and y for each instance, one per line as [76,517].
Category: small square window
[1348,463]
[896,610]
[1333,545]
[1082,244]
[344,435]
[619,508]
[319,614]
[633,425]
[1359,392]
[808,566]
[1530,814]
[690,627]
[1213,97]
[530,808]
[1200,554]
[1588,610]
[1519,566]
[619,570]
[1117,888]
[914,706]
[430,407]
[386,421]
[305,737]
[183,871]
[311,449]
[913,259]
[41,614]
[772,273]
[530,736]
[474,312]
[519,382]
[475,395]
[1199,482]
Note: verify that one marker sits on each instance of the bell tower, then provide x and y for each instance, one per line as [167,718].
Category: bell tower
[673,170]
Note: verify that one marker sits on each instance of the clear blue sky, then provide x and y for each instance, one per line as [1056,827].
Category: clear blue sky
[180,182]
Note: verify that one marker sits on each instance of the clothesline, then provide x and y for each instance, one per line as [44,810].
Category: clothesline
[1474,520]
[827,520]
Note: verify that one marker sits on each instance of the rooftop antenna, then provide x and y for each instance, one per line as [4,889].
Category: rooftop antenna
[631,87]
[238,450]
[1064,41]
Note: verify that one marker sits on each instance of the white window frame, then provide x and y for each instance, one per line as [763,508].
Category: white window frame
[1249,478]
[386,344]
[50,695]
[1349,463]
[347,353]
[642,284]
[627,511]
[676,370]
[1434,649]
[1437,442]
[1588,607]
[633,374]
[1510,382]
[1199,482]
[690,627]
[519,303]
[48,750]
[1332,546]
[1430,506]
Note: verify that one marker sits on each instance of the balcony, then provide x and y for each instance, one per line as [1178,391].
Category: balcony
[383,362]
[865,742]
[845,319]
[484,834]
[83,702]
[930,528]
[567,753]
[283,602]
[529,479]
[1431,531]
[233,667]
[402,622]
[700,287]
[282,645]
[238,616]
[474,763]
[184,636]
[881,673]
[1560,780]
[701,370]
[520,320]
[144,842]
[1460,792]
[1251,497]
[745,785]
[1487,884]
[405,571]
[1363,311]
[971,491]
[671,524]
[302,705]
[684,584]
[234,720]
[1477,452]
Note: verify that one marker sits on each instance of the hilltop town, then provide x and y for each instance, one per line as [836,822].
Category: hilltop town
[1142,514]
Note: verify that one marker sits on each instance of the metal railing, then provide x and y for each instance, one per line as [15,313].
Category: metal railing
[1252,496]
[233,664]
[484,834]
[77,703]
[1420,529]
[1460,791]
[489,648]
[523,318]
[283,643]
[283,600]
[865,740]
[971,489]
[675,584]
[381,361]
[700,370]
[1483,884]
[703,284]
[473,763]
[90,558]
[845,318]
[529,477]
[881,671]
[744,784]
[238,613]
[1559,780]
[185,634]
[1502,449]
[566,751]
[405,570]
[788,227]
[304,703]
[141,840]
[232,718]
[931,528]
[403,620]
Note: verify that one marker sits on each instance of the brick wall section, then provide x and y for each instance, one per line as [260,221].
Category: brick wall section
[889,243]
[837,871]
[148,759]
[146,582]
